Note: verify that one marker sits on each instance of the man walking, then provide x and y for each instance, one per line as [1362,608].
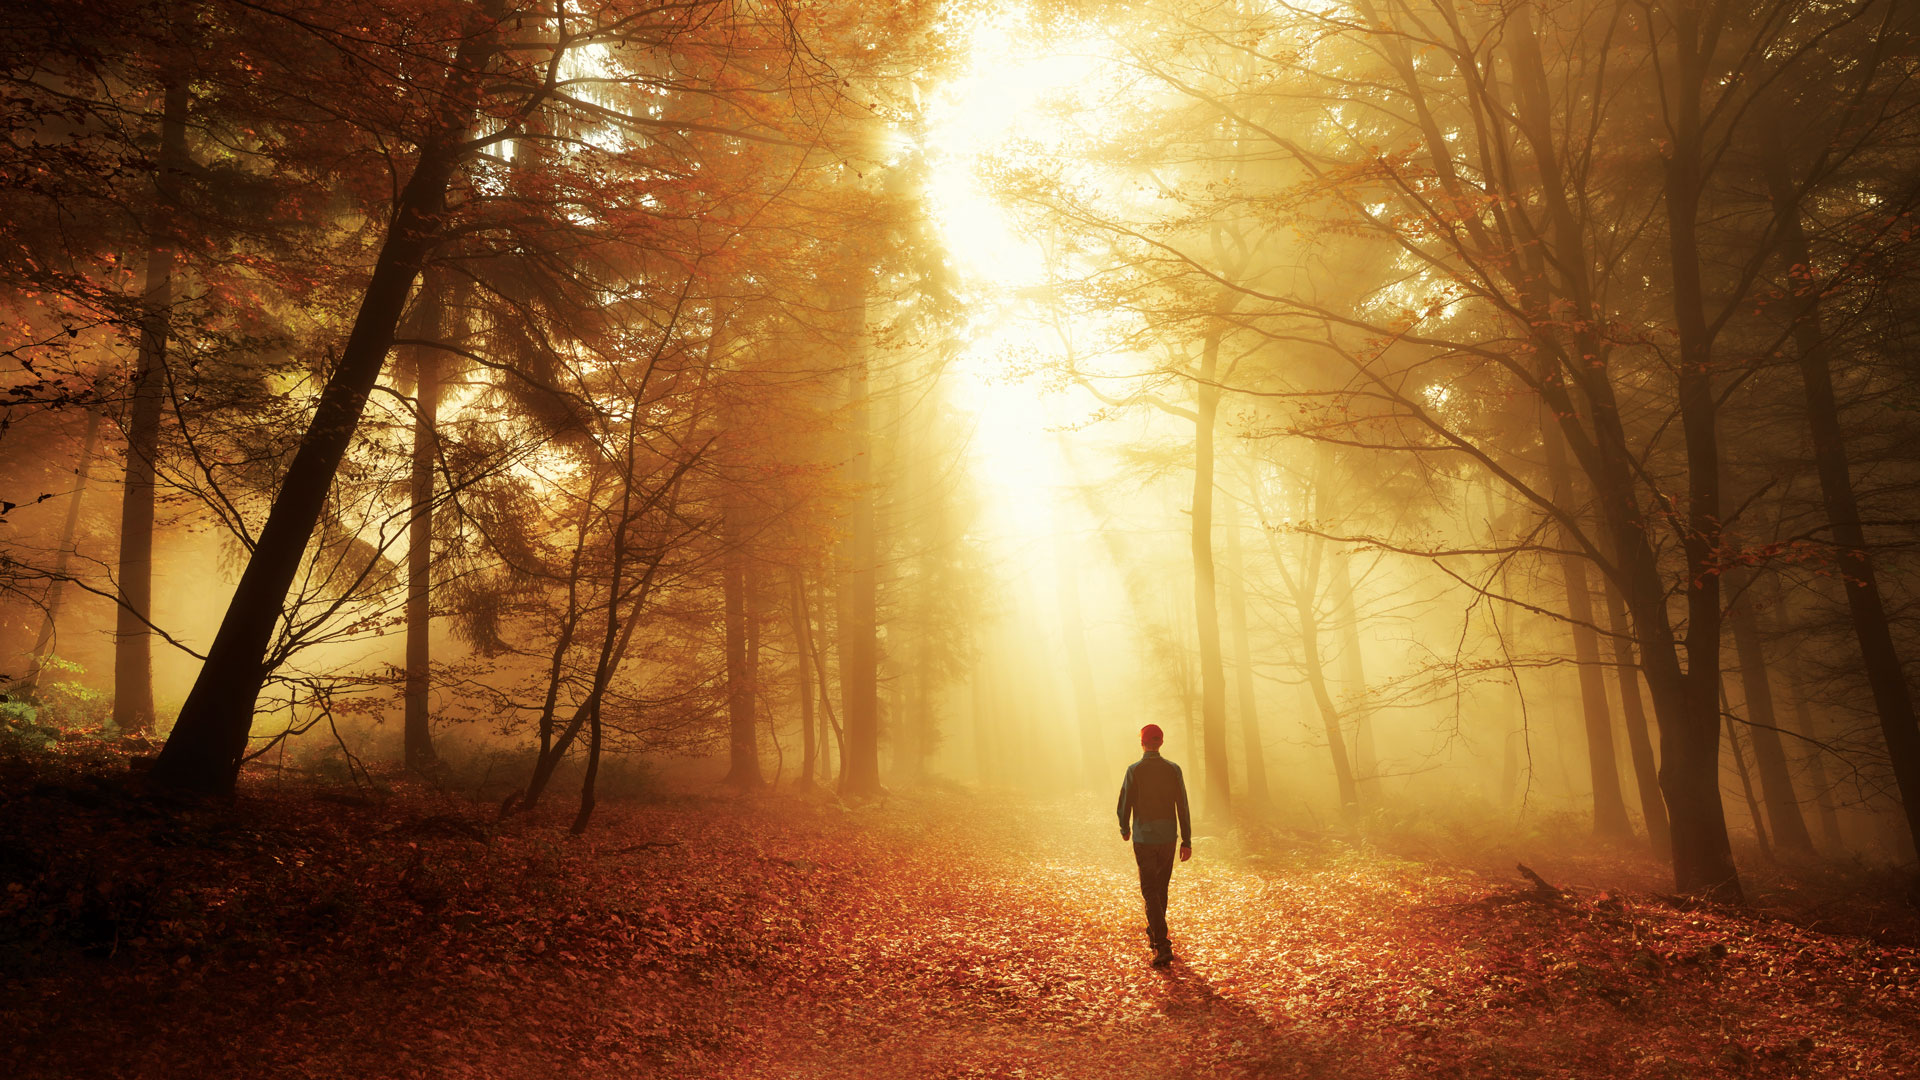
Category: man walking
[1151,797]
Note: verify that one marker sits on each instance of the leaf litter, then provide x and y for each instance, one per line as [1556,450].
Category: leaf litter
[931,936]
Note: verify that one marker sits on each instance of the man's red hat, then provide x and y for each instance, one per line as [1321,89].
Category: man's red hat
[1151,736]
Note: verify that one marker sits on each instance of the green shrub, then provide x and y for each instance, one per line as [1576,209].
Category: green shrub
[58,707]
[21,731]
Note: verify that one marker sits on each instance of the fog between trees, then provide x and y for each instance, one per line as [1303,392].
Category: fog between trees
[1498,412]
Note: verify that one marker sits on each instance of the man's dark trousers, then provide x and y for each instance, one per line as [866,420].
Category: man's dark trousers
[1156,870]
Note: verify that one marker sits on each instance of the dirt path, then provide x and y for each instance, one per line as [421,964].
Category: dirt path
[932,937]
[1014,945]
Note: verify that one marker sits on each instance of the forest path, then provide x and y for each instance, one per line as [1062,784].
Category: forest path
[930,936]
[1008,940]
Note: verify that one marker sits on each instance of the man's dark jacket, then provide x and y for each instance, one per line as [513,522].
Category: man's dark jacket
[1152,796]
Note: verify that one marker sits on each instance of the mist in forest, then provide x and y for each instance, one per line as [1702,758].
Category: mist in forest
[1499,415]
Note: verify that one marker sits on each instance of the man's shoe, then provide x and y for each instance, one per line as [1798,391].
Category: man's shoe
[1162,957]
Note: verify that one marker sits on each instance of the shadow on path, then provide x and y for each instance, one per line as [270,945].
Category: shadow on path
[1203,1024]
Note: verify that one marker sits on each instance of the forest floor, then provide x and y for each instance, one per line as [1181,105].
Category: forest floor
[300,932]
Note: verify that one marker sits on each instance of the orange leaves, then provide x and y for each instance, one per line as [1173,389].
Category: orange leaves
[942,936]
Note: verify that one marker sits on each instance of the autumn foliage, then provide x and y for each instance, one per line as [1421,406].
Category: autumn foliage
[306,932]
[631,537]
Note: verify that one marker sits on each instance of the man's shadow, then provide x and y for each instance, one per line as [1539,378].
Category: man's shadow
[1267,1049]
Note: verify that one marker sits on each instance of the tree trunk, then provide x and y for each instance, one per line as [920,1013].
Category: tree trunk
[756,632]
[1603,767]
[1253,746]
[1329,713]
[592,772]
[1609,809]
[1511,797]
[834,752]
[1213,681]
[62,562]
[803,657]
[1626,672]
[1685,698]
[1817,772]
[563,641]
[856,598]
[1892,696]
[1686,709]
[618,634]
[743,730]
[133,636]
[203,753]
[1302,587]
[418,733]
[1776,782]
[1746,779]
[1353,672]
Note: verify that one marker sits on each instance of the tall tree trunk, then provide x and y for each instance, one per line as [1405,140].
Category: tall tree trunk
[1302,587]
[1511,740]
[1685,698]
[857,595]
[1811,753]
[1687,711]
[418,732]
[1533,99]
[1746,778]
[1353,672]
[1213,680]
[1776,782]
[1817,772]
[1609,809]
[592,774]
[743,730]
[1892,696]
[1252,745]
[1690,751]
[832,752]
[833,739]
[204,752]
[803,658]
[1329,713]
[62,561]
[756,633]
[1646,775]
[133,636]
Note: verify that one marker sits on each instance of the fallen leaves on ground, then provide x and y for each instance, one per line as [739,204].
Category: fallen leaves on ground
[290,935]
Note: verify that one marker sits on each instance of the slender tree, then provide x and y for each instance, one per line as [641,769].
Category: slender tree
[133,639]
[43,642]
[1253,746]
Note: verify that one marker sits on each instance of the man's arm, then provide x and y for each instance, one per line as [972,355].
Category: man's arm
[1180,803]
[1126,804]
